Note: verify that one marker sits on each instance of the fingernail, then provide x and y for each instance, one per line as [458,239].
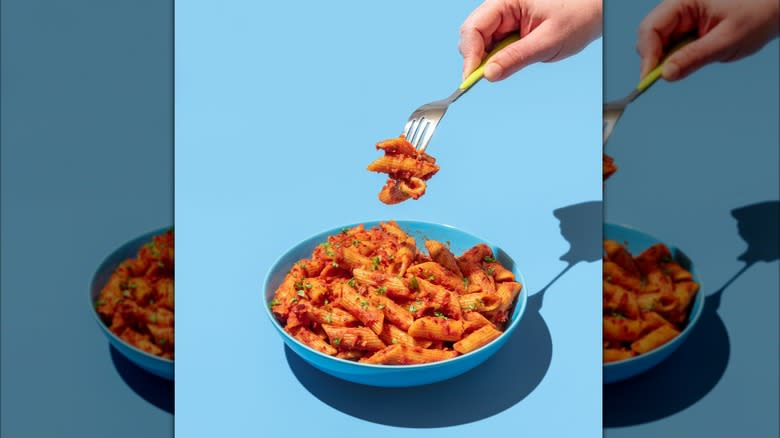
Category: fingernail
[671,71]
[492,71]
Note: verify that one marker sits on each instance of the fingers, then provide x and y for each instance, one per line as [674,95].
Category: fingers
[476,33]
[716,45]
[668,19]
[539,45]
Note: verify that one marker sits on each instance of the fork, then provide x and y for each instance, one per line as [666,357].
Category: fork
[423,121]
[613,110]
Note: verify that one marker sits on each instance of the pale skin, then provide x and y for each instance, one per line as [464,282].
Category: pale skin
[550,30]
[725,31]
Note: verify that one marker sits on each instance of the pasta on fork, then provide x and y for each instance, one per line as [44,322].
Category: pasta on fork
[370,295]
[407,168]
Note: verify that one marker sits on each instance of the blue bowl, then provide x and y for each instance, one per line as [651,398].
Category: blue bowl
[394,375]
[638,242]
[154,364]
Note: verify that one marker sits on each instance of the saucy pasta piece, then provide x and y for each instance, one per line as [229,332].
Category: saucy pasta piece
[407,169]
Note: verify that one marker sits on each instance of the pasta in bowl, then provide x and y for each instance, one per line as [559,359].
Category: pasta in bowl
[367,304]
[132,299]
[648,313]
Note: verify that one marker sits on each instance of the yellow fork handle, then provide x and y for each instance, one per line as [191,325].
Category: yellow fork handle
[655,73]
[477,74]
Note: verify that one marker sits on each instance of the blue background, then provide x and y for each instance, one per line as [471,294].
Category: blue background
[87,159]
[278,108]
[688,154]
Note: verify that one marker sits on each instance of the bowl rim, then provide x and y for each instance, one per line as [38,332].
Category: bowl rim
[692,318]
[518,312]
[93,281]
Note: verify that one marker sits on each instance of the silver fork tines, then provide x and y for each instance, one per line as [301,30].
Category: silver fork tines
[424,120]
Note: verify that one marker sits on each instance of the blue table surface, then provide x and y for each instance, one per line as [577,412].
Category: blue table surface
[278,107]
[698,167]
[87,164]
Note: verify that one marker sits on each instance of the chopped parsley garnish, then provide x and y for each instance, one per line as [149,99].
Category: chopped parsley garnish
[488,259]
[132,285]
[431,278]
[336,341]
[351,282]
[395,341]
[335,264]
[294,300]
[364,304]
[380,307]
[473,306]
[465,282]
[412,308]
[307,285]
[355,242]
[490,271]
[274,302]
[375,261]
[160,264]
[329,318]
[153,317]
[162,341]
[125,293]
[99,303]
[301,293]
[328,250]
[480,302]
[381,290]
[298,284]
[413,284]
[344,230]
[440,315]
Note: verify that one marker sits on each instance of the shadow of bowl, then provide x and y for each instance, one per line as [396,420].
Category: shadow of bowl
[154,389]
[499,383]
[677,383]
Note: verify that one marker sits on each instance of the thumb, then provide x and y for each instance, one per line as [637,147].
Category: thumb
[538,46]
[711,47]
[472,47]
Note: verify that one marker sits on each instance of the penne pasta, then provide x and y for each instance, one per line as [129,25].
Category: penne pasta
[353,338]
[476,339]
[361,308]
[437,329]
[400,354]
[647,299]
[370,295]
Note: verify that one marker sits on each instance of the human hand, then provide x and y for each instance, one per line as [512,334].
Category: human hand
[726,31]
[549,31]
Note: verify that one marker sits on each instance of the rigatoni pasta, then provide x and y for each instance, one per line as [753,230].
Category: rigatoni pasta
[647,300]
[371,295]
